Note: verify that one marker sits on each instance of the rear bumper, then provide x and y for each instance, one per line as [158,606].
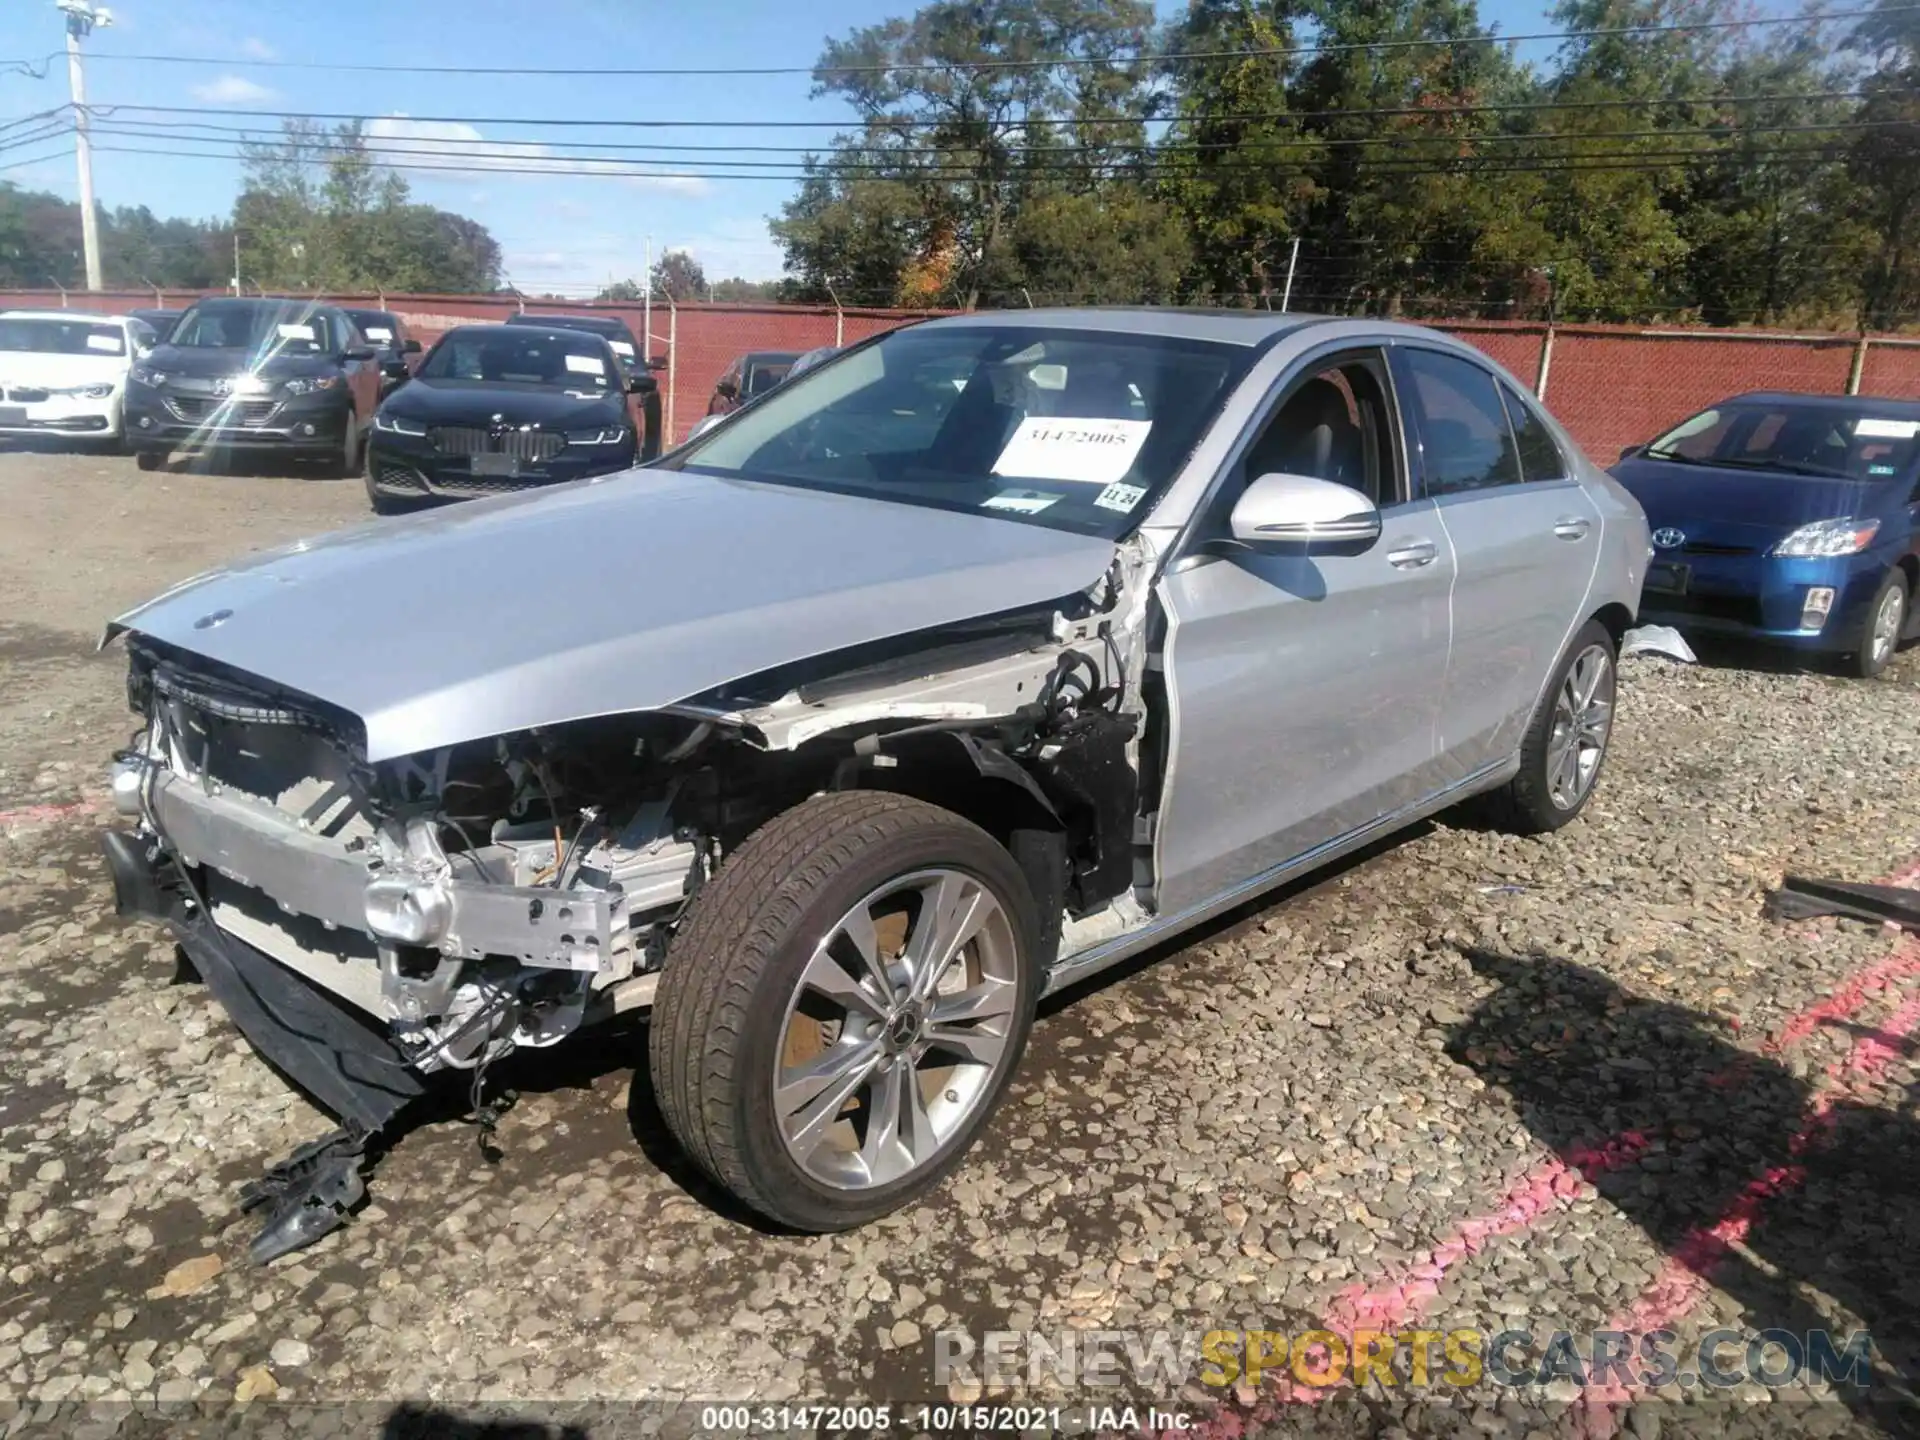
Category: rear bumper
[1764,598]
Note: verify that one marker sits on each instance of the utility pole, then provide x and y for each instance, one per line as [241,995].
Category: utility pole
[646,323]
[82,18]
[236,259]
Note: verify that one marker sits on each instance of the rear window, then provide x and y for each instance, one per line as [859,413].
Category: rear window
[61,337]
[1789,439]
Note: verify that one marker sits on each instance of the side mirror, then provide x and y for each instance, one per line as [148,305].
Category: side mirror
[361,352]
[1304,515]
[642,384]
[394,369]
[657,362]
[412,347]
[727,390]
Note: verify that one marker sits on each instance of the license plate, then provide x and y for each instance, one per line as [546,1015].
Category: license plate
[506,465]
[1665,579]
[13,414]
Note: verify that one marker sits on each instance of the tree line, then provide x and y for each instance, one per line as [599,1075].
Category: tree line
[1672,162]
[314,213]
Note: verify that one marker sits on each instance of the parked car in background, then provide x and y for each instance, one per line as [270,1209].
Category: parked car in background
[1787,519]
[161,321]
[258,375]
[65,373]
[1003,648]
[642,387]
[398,350]
[751,375]
[499,407]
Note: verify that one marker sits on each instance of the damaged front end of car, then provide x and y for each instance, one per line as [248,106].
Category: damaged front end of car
[372,924]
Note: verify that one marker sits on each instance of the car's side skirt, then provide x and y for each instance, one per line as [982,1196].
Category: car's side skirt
[1072,969]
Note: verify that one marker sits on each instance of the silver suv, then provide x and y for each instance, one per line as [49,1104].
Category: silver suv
[974,660]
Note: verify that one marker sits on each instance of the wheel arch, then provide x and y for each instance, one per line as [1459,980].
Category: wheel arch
[1617,619]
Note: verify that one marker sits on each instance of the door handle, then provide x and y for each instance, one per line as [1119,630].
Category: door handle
[1412,555]
[1572,527]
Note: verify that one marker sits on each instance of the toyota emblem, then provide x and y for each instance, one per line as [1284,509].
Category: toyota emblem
[1669,538]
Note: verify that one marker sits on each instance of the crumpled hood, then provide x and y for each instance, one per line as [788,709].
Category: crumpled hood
[626,592]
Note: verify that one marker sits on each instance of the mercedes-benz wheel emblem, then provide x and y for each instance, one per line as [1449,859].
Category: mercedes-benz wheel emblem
[1668,538]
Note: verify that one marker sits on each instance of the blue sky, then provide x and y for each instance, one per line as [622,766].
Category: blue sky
[562,231]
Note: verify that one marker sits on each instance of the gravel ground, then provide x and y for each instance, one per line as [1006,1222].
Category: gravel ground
[1469,1082]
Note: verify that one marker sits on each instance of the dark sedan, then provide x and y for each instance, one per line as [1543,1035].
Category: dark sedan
[497,408]
[286,376]
[1789,519]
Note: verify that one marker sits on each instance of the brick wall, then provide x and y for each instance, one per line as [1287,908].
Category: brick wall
[1610,385]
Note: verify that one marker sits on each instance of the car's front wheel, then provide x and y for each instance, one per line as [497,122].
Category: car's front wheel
[1880,627]
[1566,743]
[844,1006]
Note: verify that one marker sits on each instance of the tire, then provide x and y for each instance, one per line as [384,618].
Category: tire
[1540,798]
[149,460]
[1873,645]
[741,1003]
[352,456]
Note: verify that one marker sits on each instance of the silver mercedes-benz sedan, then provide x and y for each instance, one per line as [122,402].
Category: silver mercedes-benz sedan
[970,662]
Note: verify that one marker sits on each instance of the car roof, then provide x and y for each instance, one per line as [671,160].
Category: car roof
[571,322]
[487,327]
[87,316]
[774,356]
[369,310]
[1906,409]
[1234,327]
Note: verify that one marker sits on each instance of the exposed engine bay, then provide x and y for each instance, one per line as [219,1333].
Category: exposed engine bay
[497,894]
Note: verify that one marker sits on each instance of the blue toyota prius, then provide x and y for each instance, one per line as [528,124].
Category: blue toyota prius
[1788,519]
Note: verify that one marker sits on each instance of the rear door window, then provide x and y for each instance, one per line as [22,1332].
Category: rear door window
[1466,441]
[1540,457]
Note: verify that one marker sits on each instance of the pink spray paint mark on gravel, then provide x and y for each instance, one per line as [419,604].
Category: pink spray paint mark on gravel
[43,814]
[1685,1278]
[1413,1286]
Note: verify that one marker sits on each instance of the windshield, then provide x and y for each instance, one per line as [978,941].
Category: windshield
[292,328]
[61,337]
[1794,440]
[1069,429]
[502,355]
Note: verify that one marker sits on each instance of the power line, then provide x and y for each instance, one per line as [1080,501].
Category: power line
[168,130]
[1065,62]
[1436,112]
[39,159]
[1635,161]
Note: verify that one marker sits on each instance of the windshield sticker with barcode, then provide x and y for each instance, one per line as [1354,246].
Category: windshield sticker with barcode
[1872,429]
[109,343]
[586,365]
[1088,452]
[1020,502]
[296,332]
[1120,497]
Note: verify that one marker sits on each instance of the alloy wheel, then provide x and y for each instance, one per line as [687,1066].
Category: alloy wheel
[1886,624]
[1582,722]
[897,1029]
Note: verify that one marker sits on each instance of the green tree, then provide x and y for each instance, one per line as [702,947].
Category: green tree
[1883,169]
[678,276]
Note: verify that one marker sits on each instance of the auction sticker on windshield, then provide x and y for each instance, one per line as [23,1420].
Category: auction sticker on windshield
[1021,502]
[585,365]
[621,348]
[1120,497]
[1871,429]
[1090,452]
[295,332]
[109,343]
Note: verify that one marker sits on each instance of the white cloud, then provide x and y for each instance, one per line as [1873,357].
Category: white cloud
[231,90]
[429,145]
[254,48]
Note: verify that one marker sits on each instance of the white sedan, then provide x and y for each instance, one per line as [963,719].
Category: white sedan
[63,372]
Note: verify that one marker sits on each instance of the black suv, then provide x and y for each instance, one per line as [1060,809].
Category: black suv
[256,375]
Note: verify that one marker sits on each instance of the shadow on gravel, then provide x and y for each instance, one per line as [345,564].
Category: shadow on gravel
[1827,1182]
[430,1422]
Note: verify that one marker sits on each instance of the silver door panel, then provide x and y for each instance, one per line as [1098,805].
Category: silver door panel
[1304,700]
